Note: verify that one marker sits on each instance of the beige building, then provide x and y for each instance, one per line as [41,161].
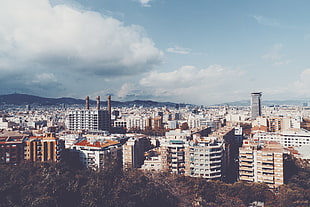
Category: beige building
[133,151]
[173,156]
[43,148]
[261,162]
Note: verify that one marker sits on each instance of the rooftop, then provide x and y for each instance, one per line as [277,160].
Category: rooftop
[97,144]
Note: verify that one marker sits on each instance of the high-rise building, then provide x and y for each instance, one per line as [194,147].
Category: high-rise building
[133,151]
[173,155]
[261,162]
[204,158]
[90,119]
[93,120]
[256,108]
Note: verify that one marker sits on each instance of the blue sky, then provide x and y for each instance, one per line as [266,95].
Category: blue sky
[201,51]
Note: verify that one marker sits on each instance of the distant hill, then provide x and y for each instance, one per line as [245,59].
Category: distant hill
[24,99]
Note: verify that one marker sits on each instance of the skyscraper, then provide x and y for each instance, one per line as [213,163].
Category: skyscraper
[256,108]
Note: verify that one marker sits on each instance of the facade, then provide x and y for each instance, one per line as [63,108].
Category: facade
[261,162]
[11,150]
[94,155]
[289,138]
[43,148]
[93,120]
[173,156]
[133,151]
[204,158]
[153,161]
[256,108]
[275,124]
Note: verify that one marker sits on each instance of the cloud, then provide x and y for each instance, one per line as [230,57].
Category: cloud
[62,42]
[266,21]
[179,50]
[189,84]
[145,3]
[274,53]
[302,85]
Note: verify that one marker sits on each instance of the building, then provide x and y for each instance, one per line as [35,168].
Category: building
[261,162]
[133,151]
[172,153]
[90,119]
[289,138]
[204,158]
[230,152]
[153,161]
[11,149]
[256,108]
[275,124]
[94,120]
[43,148]
[94,155]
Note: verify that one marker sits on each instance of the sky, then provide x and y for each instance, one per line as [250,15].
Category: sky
[200,52]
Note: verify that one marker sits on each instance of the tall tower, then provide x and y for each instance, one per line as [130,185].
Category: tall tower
[110,111]
[98,102]
[256,107]
[87,102]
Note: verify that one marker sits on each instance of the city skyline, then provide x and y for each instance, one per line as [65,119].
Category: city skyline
[199,53]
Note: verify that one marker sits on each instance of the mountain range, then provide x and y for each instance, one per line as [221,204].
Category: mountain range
[25,99]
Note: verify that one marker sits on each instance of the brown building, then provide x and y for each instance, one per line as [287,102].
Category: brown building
[11,150]
[43,148]
[261,162]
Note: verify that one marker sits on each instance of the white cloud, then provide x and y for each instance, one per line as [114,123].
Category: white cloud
[145,3]
[125,90]
[302,86]
[71,39]
[275,53]
[70,45]
[192,85]
[179,50]
[44,78]
[266,21]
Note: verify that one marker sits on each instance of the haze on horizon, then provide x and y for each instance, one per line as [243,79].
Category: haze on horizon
[202,53]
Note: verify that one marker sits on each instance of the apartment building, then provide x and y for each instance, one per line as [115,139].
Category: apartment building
[88,119]
[95,154]
[261,162]
[43,148]
[289,138]
[204,158]
[173,155]
[11,149]
[275,124]
[133,151]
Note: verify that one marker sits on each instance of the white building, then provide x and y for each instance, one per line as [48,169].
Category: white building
[94,155]
[89,120]
[204,158]
[290,138]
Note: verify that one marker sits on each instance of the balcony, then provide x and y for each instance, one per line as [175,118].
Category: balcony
[246,178]
[244,173]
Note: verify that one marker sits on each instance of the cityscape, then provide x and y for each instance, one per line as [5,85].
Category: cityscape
[231,144]
[147,103]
